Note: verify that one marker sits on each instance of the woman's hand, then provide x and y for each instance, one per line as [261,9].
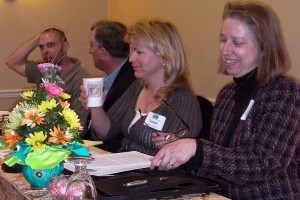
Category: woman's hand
[174,154]
[160,139]
[83,97]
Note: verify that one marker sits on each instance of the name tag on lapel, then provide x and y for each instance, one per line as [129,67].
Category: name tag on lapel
[155,121]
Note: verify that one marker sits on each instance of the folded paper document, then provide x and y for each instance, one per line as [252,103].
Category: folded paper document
[106,164]
[89,143]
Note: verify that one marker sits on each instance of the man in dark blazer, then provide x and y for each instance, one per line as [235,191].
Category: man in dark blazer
[110,54]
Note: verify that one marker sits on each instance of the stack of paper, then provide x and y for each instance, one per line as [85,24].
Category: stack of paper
[107,164]
[4,153]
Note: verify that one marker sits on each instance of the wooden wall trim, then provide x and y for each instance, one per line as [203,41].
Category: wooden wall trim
[6,94]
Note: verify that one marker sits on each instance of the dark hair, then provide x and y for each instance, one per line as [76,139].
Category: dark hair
[110,35]
[60,32]
[264,24]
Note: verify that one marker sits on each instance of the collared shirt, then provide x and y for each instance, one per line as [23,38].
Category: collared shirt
[109,79]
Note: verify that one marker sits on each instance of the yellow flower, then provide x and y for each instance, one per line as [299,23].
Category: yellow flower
[36,141]
[59,136]
[71,117]
[44,123]
[32,117]
[47,105]
[27,95]
[65,96]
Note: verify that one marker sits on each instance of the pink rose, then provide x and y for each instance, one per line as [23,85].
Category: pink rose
[44,66]
[53,90]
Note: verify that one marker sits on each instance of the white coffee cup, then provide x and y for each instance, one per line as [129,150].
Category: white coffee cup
[94,89]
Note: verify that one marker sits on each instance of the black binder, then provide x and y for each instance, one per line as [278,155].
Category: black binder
[158,184]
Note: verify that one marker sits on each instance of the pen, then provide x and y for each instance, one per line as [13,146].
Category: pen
[135,183]
[141,182]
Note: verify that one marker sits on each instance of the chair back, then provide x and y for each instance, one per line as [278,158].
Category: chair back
[206,110]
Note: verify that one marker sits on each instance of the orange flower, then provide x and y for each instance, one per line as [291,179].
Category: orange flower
[32,118]
[59,136]
[64,104]
[11,138]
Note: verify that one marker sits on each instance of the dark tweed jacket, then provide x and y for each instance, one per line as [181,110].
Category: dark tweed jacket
[138,137]
[263,159]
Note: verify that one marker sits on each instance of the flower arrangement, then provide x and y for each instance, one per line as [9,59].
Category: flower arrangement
[42,130]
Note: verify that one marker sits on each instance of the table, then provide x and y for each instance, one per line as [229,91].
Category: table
[13,186]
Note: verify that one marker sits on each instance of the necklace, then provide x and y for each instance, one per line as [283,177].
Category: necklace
[146,101]
[147,104]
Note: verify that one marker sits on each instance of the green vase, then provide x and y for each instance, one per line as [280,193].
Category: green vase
[40,178]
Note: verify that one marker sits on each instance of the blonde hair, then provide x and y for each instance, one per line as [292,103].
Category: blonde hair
[163,39]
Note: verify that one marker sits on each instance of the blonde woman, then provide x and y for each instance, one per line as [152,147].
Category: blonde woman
[161,101]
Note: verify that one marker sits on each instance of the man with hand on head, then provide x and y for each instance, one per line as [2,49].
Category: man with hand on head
[110,54]
[53,46]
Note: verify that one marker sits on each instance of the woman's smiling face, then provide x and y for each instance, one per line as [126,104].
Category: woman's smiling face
[238,48]
[146,64]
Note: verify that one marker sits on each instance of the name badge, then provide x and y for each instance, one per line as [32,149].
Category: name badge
[155,121]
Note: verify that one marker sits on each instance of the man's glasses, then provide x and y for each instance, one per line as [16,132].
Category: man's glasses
[178,134]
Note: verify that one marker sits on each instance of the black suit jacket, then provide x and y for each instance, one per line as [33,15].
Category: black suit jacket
[123,80]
